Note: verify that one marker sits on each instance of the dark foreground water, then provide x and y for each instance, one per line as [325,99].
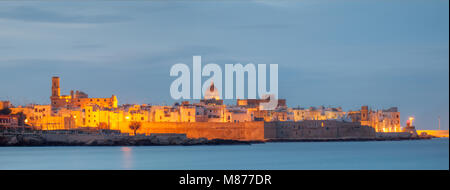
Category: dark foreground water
[419,154]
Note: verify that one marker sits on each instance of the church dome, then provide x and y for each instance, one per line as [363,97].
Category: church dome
[212,92]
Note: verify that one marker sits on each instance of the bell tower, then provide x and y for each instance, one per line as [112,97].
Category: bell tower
[364,113]
[56,92]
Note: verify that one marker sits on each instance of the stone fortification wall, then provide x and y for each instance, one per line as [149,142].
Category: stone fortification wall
[396,135]
[209,130]
[302,130]
[317,129]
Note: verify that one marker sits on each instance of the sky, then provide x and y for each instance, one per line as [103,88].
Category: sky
[331,53]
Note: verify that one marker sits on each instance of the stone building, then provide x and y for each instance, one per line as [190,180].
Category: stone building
[320,113]
[384,120]
[254,103]
[4,104]
[77,99]
[8,121]
[381,120]
[77,110]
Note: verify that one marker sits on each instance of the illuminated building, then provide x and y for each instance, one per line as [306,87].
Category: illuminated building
[77,110]
[77,99]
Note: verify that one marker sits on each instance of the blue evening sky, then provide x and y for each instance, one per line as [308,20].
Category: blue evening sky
[338,53]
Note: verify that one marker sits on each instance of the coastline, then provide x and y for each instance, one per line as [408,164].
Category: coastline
[37,140]
[44,139]
[349,139]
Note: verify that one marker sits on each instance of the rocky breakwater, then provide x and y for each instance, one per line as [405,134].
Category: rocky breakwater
[380,136]
[108,140]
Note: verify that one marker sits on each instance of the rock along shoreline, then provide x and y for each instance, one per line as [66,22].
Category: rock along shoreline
[161,139]
[99,140]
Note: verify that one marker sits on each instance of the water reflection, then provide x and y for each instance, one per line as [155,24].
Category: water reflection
[375,155]
[127,155]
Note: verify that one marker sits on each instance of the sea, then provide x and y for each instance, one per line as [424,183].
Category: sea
[374,155]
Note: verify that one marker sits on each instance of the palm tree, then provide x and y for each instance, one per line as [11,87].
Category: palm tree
[134,125]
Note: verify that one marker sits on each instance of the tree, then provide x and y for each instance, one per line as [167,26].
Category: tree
[5,111]
[134,125]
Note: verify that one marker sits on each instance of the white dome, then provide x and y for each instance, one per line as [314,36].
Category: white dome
[212,92]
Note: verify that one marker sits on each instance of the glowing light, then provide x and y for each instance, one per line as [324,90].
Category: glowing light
[127,157]
[125,149]
[74,116]
[411,119]
[26,120]
[127,117]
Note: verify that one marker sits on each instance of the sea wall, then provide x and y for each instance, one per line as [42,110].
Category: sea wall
[55,139]
[261,130]
[396,135]
[317,130]
[210,130]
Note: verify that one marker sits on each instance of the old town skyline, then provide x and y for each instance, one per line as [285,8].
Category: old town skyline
[327,55]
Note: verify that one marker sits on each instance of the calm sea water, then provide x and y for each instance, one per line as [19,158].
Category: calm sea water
[422,154]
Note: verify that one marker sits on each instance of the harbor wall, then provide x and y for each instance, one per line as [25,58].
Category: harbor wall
[209,130]
[317,130]
[301,130]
